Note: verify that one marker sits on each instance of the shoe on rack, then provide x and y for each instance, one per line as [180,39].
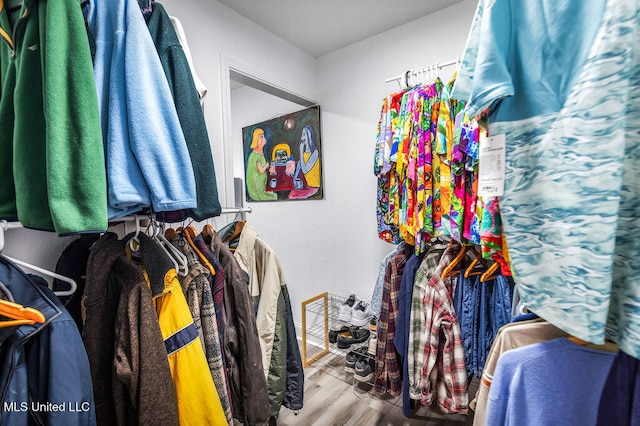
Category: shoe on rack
[365,368]
[373,343]
[333,334]
[351,358]
[356,335]
[346,308]
[362,314]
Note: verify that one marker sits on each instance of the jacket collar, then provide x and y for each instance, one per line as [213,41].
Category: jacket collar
[155,262]
[246,246]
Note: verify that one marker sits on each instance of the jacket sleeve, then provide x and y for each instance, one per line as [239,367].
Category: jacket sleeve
[76,179]
[294,390]
[187,104]
[155,135]
[253,382]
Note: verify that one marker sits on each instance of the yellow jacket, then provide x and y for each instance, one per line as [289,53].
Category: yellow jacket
[198,401]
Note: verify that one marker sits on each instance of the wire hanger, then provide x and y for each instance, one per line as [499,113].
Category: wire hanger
[72,284]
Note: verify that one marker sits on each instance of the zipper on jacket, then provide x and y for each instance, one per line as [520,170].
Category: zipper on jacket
[10,39]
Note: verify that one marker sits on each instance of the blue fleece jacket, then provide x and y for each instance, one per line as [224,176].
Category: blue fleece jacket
[147,158]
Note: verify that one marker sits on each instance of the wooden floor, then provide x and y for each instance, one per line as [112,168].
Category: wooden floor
[333,397]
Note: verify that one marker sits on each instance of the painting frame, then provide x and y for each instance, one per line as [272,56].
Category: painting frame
[283,157]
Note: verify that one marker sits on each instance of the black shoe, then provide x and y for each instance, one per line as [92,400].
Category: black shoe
[356,335]
[365,368]
[333,334]
[352,358]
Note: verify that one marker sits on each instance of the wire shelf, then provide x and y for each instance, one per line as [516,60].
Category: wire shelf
[319,317]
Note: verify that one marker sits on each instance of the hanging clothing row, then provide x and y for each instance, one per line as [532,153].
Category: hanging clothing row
[427,164]
[572,157]
[210,317]
[122,128]
[439,314]
[177,328]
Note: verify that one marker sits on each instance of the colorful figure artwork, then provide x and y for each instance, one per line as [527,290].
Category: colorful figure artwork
[282,157]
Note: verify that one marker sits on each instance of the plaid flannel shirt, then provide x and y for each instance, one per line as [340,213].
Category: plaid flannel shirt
[436,352]
[387,375]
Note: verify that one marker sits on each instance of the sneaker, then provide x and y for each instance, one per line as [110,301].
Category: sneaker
[356,335]
[373,343]
[365,368]
[362,314]
[333,334]
[352,358]
[346,308]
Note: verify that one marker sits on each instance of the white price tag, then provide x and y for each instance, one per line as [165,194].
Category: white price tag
[492,162]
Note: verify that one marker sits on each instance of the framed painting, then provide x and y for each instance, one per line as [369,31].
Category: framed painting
[282,157]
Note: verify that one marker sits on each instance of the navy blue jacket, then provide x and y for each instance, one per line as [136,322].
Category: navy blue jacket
[44,370]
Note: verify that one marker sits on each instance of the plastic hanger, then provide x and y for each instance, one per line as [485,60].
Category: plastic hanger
[236,232]
[181,263]
[207,231]
[73,286]
[19,314]
[134,242]
[449,269]
[470,269]
[155,232]
[490,274]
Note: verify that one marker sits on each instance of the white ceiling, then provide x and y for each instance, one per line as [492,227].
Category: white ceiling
[322,26]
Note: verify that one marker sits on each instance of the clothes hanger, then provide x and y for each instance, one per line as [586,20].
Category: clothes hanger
[181,262]
[449,269]
[155,232]
[490,274]
[207,231]
[19,314]
[236,232]
[471,269]
[73,286]
[134,242]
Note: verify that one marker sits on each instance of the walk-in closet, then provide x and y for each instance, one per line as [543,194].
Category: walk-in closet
[281,212]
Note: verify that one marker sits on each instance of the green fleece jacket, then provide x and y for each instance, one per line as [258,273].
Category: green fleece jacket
[52,170]
[187,103]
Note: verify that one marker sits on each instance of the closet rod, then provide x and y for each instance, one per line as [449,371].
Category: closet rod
[232,210]
[438,65]
[5,225]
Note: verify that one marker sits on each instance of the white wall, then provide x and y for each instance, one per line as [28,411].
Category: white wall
[215,34]
[351,84]
[331,244]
